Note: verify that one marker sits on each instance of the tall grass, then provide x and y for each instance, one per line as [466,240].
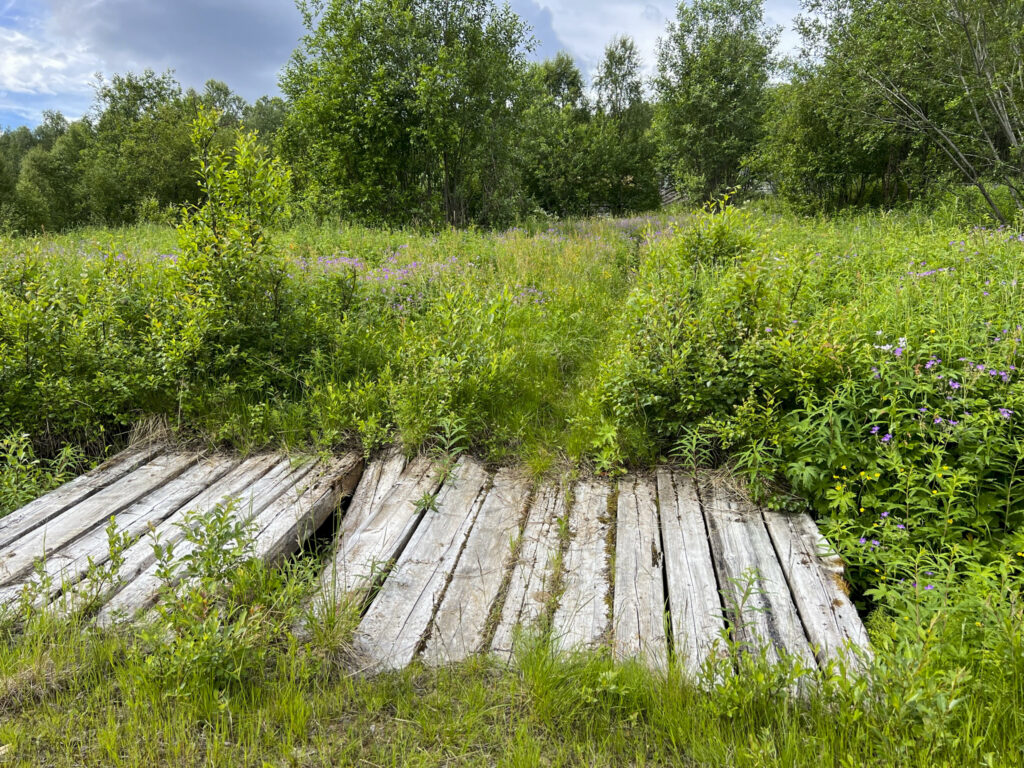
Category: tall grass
[167,692]
[866,366]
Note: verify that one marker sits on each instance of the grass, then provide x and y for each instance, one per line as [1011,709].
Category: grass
[864,366]
[74,695]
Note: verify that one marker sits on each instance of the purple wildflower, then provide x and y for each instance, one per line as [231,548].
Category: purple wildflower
[886,437]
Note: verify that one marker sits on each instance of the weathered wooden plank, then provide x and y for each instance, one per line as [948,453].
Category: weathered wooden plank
[18,558]
[394,626]
[815,576]
[461,621]
[376,482]
[66,566]
[581,619]
[757,597]
[144,589]
[638,618]
[296,515]
[383,533]
[139,556]
[49,506]
[695,606]
[533,576]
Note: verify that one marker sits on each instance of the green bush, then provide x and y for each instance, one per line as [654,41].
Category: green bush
[23,476]
[869,367]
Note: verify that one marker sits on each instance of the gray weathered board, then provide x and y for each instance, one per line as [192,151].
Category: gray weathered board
[446,561]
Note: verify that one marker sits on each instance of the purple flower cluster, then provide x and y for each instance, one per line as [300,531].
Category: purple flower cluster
[393,277]
[529,295]
[992,372]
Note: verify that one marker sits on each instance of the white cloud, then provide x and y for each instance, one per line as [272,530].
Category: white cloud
[587,26]
[244,43]
[32,65]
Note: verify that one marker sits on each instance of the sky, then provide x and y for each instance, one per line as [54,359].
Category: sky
[51,51]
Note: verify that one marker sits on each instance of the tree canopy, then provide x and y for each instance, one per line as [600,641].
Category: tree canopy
[434,113]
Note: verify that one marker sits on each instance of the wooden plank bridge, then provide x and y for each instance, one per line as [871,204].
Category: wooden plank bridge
[451,561]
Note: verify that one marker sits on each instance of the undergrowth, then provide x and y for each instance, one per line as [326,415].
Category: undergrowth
[24,476]
[866,367]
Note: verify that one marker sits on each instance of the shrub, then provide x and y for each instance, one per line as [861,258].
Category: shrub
[24,477]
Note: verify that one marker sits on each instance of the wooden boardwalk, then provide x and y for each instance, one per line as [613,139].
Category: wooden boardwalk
[450,562]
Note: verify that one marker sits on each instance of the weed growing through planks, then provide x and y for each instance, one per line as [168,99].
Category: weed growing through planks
[101,577]
[426,503]
[220,610]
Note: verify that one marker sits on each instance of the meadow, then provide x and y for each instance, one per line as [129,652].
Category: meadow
[864,365]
